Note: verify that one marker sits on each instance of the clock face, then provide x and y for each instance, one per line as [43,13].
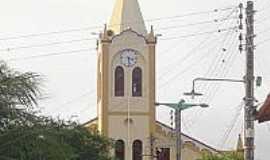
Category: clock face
[128,57]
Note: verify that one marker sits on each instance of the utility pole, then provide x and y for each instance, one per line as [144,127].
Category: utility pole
[250,109]
[249,85]
[178,129]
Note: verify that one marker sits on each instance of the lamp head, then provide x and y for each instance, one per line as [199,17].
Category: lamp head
[192,94]
[204,105]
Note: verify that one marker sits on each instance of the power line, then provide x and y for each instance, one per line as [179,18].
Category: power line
[215,67]
[47,44]
[48,33]
[193,24]
[203,41]
[51,54]
[91,39]
[196,114]
[191,52]
[61,106]
[191,14]
[233,122]
[200,33]
[54,54]
[214,64]
[207,38]
[100,26]
[227,16]
[83,50]
[231,59]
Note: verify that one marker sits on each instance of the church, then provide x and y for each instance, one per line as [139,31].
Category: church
[126,92]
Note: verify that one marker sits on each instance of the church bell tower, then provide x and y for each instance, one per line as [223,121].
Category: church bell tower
[126,81]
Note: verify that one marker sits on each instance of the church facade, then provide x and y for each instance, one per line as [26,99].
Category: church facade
[126,92]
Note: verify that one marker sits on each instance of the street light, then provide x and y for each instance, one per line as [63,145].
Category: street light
[193,93]
[179,107]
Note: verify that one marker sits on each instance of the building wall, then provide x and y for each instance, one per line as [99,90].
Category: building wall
[127,118]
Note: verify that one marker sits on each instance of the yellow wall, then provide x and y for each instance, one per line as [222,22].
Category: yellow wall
[113,111]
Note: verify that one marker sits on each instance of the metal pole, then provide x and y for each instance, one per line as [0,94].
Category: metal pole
[249,78]
[178,133]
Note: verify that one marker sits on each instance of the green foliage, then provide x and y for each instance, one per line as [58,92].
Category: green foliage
[223,156]
[18,92]
[53,140]
[26,136]
[18,88]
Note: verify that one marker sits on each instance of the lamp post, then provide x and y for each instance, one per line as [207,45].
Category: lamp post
[193,93]
[179,107]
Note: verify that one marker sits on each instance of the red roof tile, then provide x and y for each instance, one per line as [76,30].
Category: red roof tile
[263,114]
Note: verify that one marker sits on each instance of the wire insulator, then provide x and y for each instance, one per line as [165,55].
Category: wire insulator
[241,48]
[241,26]
[241,37]
[241,16]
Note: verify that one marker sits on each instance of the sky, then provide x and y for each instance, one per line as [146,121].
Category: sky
[57,39]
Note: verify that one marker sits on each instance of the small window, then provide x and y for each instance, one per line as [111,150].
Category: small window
[119,82]
[137,82]
[120,150]
[137,148]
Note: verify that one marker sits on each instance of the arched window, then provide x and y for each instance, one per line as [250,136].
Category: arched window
[137,148]
[120,150]
[119,81]
[137,82]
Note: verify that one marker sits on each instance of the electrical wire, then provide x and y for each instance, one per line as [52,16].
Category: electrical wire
[200,33]
[81,50]
[231,59]
[184,70]
[198,112]
[51,54]
[91,39]
[100,26]
[232,125]
[57,54]
[230,14]
[214,64]
[63,105]
[192,52]
[194,24]
[215,67]
[47,44]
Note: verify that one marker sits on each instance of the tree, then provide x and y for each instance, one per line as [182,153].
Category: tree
[26,136]
[18,92]
[223,156]
[49,139]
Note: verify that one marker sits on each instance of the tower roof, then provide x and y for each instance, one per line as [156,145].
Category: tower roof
[127,14]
